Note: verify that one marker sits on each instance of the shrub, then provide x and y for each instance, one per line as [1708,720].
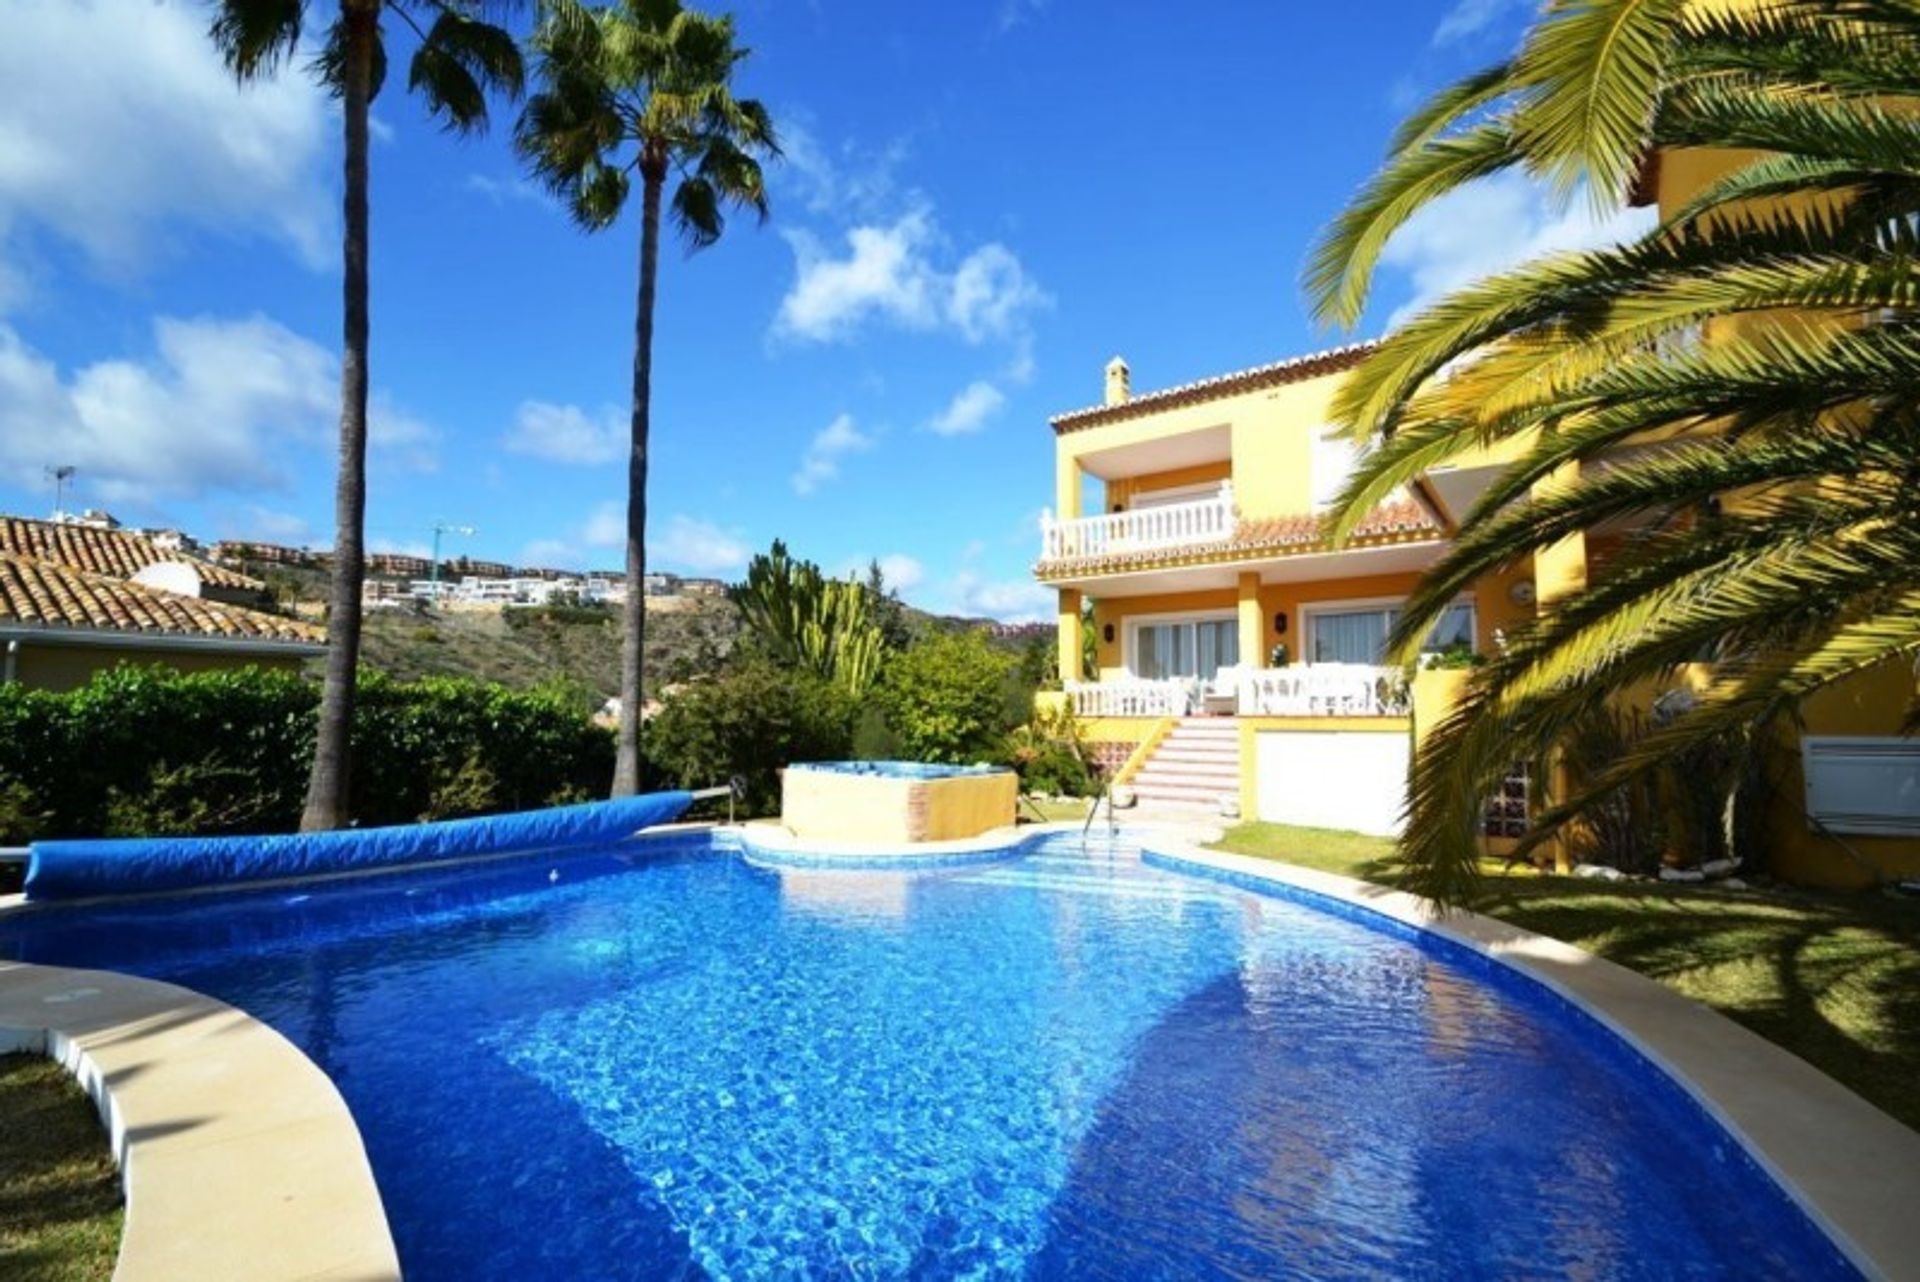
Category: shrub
[150,750]
[749,720]
[945,697]
[1050,756]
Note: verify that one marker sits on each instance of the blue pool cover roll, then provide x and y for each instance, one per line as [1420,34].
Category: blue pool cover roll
[142,865]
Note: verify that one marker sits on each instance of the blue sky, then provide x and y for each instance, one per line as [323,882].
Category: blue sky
[980,205]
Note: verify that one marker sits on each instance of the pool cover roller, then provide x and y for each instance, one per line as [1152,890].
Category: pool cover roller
[142,865]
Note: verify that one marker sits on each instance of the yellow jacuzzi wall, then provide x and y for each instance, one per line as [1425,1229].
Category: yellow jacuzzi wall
[822,805]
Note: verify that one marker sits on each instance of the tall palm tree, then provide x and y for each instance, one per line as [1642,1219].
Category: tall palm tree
[1742,383]
[643,87]
[458,60]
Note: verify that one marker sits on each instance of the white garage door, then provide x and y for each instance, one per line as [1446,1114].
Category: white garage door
[1349,779]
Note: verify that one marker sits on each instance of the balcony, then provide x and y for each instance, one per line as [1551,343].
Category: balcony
[1165,527]
[1301,690]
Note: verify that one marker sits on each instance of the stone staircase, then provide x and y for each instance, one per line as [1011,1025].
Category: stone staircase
[1194,768]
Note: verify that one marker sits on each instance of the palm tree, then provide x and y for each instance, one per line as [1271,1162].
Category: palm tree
[643,87]
[458,60]
[1742,382]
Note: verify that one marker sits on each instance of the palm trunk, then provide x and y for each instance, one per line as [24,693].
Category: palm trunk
[626,766]
[327,786]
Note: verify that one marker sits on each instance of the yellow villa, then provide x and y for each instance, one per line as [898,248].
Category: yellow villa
[1189,519]
[1237,656]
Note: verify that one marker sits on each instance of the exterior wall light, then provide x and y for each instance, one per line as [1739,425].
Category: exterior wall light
[1107,632]
[1280,623]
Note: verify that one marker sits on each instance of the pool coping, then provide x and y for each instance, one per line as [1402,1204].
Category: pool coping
[1853,1169]
[238,1157]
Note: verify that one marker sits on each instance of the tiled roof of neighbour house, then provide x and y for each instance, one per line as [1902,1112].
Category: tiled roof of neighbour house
[119,553]
[1399,521]
[45,594]
[1292,370]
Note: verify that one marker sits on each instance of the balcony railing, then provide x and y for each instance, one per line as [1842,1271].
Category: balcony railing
[1147,529]
[1134,698]
[1323,690]
[1303,690]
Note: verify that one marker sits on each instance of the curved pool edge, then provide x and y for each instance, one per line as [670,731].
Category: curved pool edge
[1853,1169]
[773,844]
[238,1157]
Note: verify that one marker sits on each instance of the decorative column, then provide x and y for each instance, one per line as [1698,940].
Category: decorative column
[1070,655]
[1559,571]
[1253,623]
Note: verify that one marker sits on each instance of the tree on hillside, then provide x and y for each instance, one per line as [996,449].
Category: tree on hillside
[1747,374]
[798,617]
[643,87]
[458,60]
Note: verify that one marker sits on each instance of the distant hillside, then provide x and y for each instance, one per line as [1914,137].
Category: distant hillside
[523,647]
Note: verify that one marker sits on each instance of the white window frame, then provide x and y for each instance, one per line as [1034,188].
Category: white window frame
[1130,633]
[1309,609]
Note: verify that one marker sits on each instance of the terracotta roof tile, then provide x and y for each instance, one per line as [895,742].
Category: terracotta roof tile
[1399,521]
[47,594]
[119,553]
[1292,370]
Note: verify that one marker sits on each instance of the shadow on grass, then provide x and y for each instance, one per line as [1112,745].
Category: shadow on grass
[59,1191]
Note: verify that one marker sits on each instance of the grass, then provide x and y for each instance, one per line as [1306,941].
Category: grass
[1054,810]
[59,1191]
[1834,978]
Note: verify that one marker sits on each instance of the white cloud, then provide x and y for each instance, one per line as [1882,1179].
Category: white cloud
[831,444]
[1470,17]
[969,411]
[568,434]
[701,546]
[1008,600]
[893,273]
[502,190]
[902,572]
[551,553]
[1013,13]
[1492,225]
[120,124]
[270,526]
[214,408]
[849,182]
[606,527]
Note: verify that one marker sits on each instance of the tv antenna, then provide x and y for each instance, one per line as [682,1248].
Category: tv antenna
[60,475]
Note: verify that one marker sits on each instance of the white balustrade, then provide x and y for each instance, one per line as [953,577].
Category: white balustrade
[1170,525]
[1137,698]
[1324,690]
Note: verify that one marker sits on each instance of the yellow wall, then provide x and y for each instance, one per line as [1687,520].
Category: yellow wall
[1272,431]
[46,667]
[1872,703]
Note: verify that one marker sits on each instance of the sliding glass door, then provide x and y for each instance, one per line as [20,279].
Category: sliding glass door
[1360,636]
[1185,648]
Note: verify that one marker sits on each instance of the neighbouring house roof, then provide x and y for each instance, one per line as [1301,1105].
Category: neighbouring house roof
[1399,521]
[1292,370]
[94,550]
[45,594]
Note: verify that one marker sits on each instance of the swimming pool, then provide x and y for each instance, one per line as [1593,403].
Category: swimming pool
[665,1060]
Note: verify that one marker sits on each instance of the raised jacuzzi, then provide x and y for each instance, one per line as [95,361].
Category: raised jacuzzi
[882,802]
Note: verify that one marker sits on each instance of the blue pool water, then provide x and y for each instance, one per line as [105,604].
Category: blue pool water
[899,769]
[668,1061]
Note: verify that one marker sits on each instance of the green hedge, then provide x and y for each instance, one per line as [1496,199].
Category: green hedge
[149,751]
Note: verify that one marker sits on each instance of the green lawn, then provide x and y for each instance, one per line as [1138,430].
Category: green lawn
[1833,978]
[59,1191]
